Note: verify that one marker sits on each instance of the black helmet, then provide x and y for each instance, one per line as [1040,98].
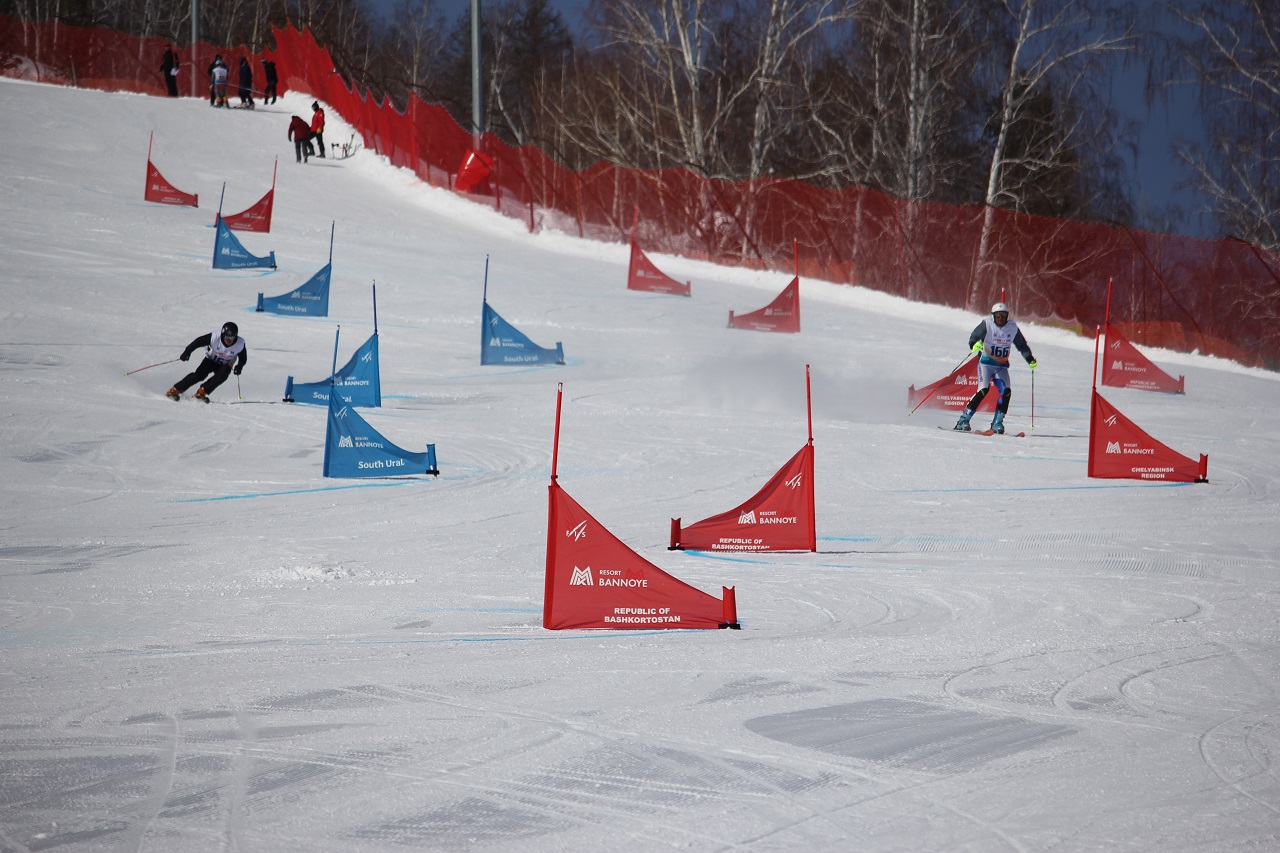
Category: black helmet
[230,330]
[315,105]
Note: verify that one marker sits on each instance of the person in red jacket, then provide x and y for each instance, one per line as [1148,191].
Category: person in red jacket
[300,133]
[317,126]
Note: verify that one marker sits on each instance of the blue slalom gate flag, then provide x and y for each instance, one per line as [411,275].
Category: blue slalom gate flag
[229,254]
[352,448]
[503,343]
[309,300]
[358,383]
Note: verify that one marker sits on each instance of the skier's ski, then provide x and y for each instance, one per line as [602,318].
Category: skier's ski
[985,432]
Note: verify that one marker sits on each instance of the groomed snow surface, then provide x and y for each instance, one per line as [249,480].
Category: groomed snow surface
[208,646]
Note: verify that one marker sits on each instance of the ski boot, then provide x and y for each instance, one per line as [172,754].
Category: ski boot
[997,423]
[201,395]
[173,394]
[962,425]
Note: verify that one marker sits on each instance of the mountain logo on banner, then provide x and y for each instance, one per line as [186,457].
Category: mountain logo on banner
[345,441]
[581,577]
[748,517]
[1113,447]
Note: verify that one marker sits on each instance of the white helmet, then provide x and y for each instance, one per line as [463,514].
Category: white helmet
[999,307]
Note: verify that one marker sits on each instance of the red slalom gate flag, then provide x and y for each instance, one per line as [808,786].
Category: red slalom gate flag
[475,169]
[642,274]
[1124,366]
[1120,449]
[780,517]
[780,315]
[158,188]
[952,392]
[595,581]
[256,217]
[160,191]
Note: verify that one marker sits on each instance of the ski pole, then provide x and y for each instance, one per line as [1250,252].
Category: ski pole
[238,397]
[962,363]
[1033,399]
[149,366]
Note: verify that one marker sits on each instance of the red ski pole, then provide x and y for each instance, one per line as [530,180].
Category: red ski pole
[149,366]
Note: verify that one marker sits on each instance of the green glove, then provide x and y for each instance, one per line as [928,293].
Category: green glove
[1032,364]
[977,346]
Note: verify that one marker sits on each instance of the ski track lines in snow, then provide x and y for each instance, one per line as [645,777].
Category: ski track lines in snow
[207,645]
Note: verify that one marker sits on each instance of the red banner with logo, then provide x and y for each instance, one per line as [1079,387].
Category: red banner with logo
[256,217]
[780,315]
[779,517]
[1120,449]
[643,275]
[593,580]
[1124,366]
[952,392]
[160,191]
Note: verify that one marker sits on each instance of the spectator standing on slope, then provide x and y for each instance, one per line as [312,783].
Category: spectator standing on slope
[213,88]
[169,68]
[995,338]
[300,133]
[317,127]
[219,78]
[269,91]
[223,349]
[246,83]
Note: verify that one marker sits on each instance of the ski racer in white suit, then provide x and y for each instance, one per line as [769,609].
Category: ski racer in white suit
[995,338]
[224,354]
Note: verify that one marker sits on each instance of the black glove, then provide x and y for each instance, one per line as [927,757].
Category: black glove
[236,370]
[184,356]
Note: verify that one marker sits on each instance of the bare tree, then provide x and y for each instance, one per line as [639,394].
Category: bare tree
[1233,54]
[1050,51]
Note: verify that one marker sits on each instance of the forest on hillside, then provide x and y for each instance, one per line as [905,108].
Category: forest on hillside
[999,103]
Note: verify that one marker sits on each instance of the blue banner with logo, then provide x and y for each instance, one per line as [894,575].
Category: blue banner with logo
[229,254]
[503,343]
[309,300]
[358,383]
[352,448]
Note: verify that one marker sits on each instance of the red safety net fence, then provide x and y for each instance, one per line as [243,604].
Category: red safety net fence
[1218,297]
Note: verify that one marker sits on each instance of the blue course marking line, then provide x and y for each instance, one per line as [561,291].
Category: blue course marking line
[580,634]
[293,492]
[1036,488]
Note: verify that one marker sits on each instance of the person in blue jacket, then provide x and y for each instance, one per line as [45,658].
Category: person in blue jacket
[223,349]
[995,338]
